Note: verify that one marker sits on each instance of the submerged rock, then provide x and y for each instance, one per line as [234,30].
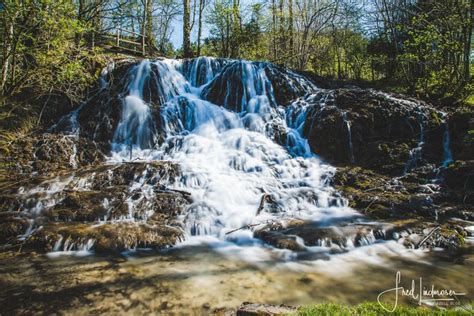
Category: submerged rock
[341,235]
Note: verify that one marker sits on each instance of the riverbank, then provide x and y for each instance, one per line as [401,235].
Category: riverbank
[204,280]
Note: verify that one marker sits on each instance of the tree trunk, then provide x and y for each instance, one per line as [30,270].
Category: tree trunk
[201,9]
[290,27]
[7,54]
[282,27]
[274,48]
[467,43]
[235,29]
[149,37]
[186,30]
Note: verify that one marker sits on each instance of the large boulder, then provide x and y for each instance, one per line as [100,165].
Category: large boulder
[241,80]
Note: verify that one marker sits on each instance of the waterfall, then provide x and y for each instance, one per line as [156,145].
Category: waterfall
[447,154]
[296,114]
[415,154]
[135,128]
[227,157]
[201,71]
[347,123]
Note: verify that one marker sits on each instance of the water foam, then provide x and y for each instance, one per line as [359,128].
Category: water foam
[229,160]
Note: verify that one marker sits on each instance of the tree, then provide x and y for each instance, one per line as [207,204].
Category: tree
[202,3]
[312,18]
[236,29]
[148,24]
[220,22]
[186,30]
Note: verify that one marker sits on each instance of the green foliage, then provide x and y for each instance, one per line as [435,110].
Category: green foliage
[341,53]
[426,50]
[421,50]
[45,49]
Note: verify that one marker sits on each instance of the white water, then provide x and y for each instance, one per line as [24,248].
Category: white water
[228,159]
[347,123]
[136,115]
[447,154]
[415,154]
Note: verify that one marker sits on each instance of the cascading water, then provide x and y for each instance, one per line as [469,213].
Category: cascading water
[244,161]
[347,123]
[229,160]
[447,154]
[415,154]
[135,128]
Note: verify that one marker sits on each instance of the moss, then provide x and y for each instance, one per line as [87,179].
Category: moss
[436,118]
[324,309]
[452,233]
[373,308]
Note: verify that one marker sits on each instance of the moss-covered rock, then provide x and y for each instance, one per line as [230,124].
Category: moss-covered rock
[109,207]
[47,154]
[111,237]
[383,129]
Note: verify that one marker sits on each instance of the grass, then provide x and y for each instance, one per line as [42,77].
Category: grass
[375,309]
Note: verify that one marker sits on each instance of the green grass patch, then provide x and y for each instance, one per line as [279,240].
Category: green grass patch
[373,309]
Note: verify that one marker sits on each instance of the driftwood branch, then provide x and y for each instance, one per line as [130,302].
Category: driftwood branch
[243,227]
[370,204]
[427,236]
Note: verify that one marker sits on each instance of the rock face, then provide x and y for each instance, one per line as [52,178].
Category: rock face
[230,88]
[373,130]
[395,164]
[131,201]
[50,153]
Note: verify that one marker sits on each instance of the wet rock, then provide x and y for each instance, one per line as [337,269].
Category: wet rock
[429,235]
[382,197]
[461,125]
[409,203]
[11,227]
[119,174]
[288,85]
[341,235]
[250,309]
[459,182]
[107,207]
[50,153]
[383,129]
[112,237]
[228,88]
